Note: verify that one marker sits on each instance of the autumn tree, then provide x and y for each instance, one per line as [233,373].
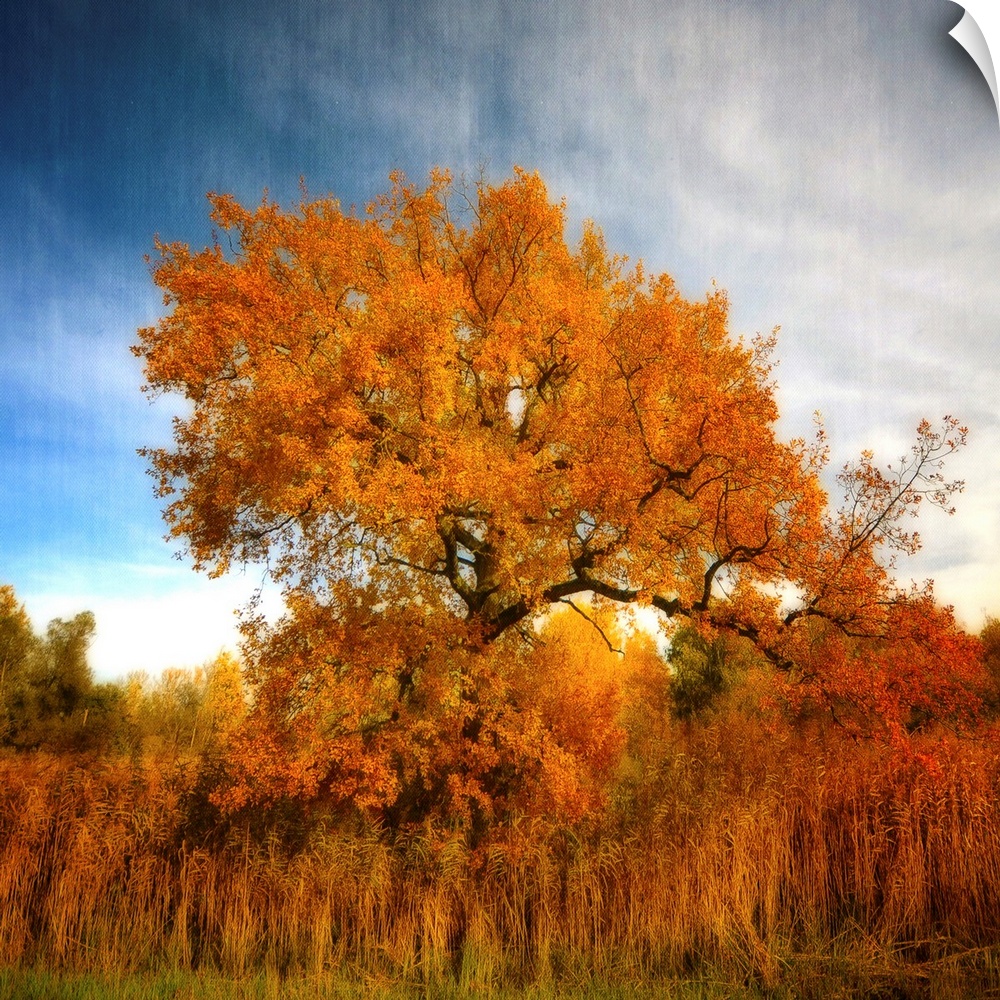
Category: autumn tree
[224,703]
[435,420]
[567,686]
[647,700]
[989,637]
[187,711]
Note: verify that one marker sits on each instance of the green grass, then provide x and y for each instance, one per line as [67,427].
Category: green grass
[824,980]
[30,984]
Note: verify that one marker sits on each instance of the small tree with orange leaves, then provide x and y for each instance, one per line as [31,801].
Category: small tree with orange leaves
[436,420]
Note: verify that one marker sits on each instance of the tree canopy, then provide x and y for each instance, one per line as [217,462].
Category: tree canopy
[436,420]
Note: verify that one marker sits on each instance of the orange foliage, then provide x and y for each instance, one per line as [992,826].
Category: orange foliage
[409,722]
[436,420]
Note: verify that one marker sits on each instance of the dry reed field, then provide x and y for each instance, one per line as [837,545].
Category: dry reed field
[796,865]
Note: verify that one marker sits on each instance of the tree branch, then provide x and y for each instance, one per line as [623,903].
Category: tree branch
[583,614]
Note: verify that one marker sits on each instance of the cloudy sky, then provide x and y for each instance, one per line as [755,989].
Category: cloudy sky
[835,166]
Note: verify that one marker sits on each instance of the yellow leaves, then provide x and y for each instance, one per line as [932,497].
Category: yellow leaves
[225,698]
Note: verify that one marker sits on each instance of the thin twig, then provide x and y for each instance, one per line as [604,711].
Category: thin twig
[583,614]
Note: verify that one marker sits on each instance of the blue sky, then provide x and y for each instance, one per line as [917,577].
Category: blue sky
[835,167]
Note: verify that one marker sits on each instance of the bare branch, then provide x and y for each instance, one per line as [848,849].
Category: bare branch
[601,632]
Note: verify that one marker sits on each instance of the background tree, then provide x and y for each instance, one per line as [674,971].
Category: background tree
[47,691]
[18,647]
[699,674]
[186,711]
[62,677]
[224,703]
[647,701]
[569,682]
[437,420]
[54,708]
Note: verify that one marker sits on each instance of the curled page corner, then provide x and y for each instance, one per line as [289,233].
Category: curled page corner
[978,21]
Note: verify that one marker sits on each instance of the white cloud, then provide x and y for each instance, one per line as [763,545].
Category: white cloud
[149,617]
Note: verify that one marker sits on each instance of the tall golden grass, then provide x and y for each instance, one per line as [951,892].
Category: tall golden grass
[747,853]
